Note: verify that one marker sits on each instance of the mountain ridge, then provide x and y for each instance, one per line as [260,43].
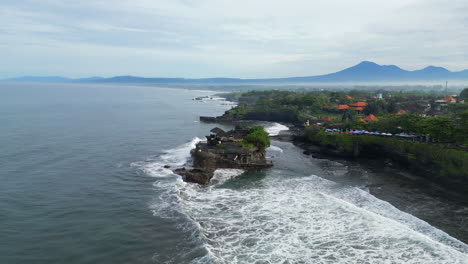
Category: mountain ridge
[365,71]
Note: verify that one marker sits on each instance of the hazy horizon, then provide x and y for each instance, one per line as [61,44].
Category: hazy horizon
[245,39]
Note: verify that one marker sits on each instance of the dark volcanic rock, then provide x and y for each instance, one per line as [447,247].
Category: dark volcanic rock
[223,118]
[228,155]
[223,150]
[167,166]
[201,176]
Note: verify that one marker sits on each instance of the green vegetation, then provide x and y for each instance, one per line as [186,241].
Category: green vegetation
[257,138]
[464,94]
[446,162]
[420,113]
[438,121]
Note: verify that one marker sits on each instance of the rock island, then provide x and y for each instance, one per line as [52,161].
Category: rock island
[240,148]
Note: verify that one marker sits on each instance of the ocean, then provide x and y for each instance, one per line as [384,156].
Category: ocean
[83,181]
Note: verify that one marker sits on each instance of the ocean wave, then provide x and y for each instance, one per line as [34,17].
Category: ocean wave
[175,157]
[292,220]
[275,129]
[304,220]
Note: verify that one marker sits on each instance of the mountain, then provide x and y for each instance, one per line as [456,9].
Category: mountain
[365,71]
[39,79]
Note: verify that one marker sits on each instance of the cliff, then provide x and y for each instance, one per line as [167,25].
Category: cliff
[228,155]
[447,167]
[271,116]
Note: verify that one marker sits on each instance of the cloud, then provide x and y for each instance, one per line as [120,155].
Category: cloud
[205,38]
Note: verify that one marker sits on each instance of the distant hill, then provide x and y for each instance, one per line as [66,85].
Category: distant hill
[39,79]
[365,71]
[51,79]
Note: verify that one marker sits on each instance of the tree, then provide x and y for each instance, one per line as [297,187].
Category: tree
[257,137]
[348,115]
[376,106]
[440,128]
[461,133]
[464,94]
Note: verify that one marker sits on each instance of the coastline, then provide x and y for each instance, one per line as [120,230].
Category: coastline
[429,201]
[392,182]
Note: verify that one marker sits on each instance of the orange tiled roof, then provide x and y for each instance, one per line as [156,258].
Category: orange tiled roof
[349,97]
[401,112]
[369,118]
[361,104]
[326,118]
[342,107]
[357,108]
[449,98]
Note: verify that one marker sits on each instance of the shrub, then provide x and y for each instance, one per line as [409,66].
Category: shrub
[257,137]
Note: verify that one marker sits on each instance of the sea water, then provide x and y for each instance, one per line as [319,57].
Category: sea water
[83,181]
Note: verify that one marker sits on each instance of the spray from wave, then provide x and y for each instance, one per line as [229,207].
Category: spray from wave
[175,157]
[275,129]
[283,218]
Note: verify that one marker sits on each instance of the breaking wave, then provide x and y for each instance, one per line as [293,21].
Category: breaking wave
[285,218]
[175,157]
[275,129]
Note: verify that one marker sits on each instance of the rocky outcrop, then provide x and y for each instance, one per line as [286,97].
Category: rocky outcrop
[228,155]
[224,118]
[223,150]
[201,176]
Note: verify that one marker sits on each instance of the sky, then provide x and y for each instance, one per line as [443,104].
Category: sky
[227,38]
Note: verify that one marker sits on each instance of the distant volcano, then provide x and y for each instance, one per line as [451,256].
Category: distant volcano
[365,71]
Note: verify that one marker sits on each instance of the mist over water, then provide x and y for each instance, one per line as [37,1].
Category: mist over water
[83,182]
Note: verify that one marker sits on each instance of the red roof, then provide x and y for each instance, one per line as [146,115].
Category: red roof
[326,118]
[449,98]
[369,118]
[358,108]
[401,112]
[342,107]
[361,104]
[349,97]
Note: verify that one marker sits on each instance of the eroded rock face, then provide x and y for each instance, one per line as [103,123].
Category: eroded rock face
[201,176]
[223,150]
[228,155]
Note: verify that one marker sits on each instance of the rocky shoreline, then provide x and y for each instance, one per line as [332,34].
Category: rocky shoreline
[392,183]
[224,150]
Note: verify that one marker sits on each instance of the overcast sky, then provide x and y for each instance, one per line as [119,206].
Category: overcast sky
[227,38]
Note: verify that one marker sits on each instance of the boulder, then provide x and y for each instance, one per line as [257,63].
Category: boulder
[197,175]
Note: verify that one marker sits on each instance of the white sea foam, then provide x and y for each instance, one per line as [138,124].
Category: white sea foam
[275,149]
[294,220]
[273,152]
[223,175]
[275,129]
[175,157]
[301,220]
